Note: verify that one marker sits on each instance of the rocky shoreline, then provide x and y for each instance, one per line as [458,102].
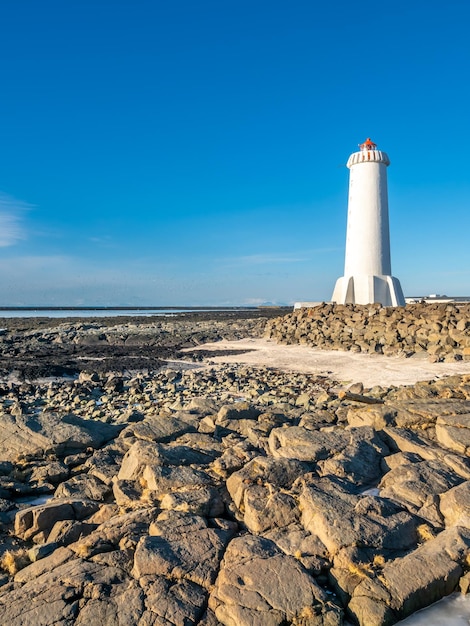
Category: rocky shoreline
[38,347]
[199,495]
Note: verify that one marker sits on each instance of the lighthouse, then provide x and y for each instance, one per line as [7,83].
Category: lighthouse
[367,268]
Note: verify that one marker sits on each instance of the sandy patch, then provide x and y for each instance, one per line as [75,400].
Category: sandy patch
[345,367]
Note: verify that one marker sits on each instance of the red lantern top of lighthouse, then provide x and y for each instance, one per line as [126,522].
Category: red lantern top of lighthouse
[368,145]
[368,153]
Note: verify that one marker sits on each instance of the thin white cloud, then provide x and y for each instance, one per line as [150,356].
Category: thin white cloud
[300,256]
[11,220]
[464,272]
[104,240]
[263,259]
[21,265]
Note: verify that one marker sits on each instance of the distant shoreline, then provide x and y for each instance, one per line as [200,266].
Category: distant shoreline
[132,308]
[8,314]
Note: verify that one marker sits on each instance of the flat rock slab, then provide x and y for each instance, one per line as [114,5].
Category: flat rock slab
[185,548]
[353,454]
[49,432]
[41,518]
[128,527]
[414,484]
[161,428]
[173,602]
[455,505]
[409,441]
[453,432]
[280,473]
[410,583]
[418,413]
[69,591]
[163,480]
[204,501]
[258,584]
[151,460]
[341,519]
[256,491]
[299,443]
[84,486]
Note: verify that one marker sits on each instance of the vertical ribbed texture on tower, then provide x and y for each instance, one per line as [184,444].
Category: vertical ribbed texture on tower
[367,268]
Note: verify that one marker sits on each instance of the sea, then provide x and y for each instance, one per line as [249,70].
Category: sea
[451,611]
[58,312]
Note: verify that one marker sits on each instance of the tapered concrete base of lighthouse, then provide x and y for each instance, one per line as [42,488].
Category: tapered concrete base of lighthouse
[367,289]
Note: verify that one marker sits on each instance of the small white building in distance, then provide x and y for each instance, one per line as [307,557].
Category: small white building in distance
[367,268]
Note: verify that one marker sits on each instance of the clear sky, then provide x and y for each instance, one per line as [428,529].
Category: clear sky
[172,152]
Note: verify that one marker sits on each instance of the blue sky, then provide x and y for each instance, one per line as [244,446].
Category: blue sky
[180,152]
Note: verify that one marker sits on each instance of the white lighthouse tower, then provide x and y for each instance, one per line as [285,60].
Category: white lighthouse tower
[367,268]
